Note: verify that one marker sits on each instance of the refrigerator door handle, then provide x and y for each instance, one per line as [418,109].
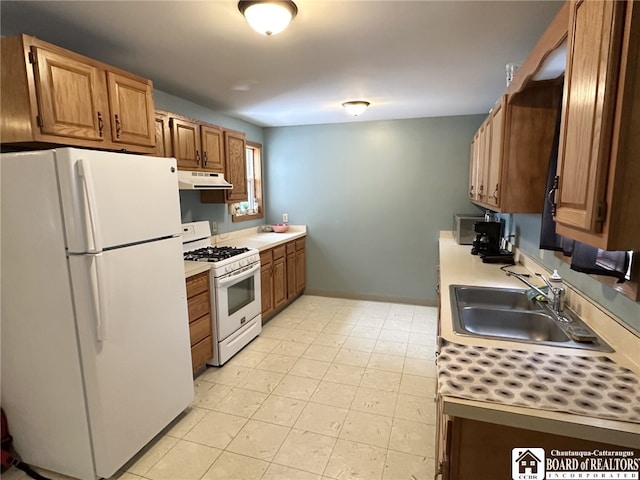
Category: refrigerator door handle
[98,291]
[84,171]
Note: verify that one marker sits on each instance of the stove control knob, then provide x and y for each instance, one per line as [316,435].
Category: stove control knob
[228,268]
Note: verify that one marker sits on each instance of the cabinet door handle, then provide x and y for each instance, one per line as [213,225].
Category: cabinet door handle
[495,193]
[100,124]
[198,157]
[118,126]
[481,192]
[205,159]
[551,195]
[471,191]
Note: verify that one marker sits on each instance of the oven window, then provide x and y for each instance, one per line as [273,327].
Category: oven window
[240,294]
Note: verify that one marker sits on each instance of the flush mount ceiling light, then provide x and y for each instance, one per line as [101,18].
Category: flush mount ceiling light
[268,17]
[355,108]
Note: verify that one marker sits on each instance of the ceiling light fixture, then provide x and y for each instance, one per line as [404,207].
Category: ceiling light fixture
[356,107]
[268,17]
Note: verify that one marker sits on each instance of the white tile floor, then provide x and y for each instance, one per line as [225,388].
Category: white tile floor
[332,389]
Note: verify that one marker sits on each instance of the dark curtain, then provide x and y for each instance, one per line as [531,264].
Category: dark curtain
[584,258]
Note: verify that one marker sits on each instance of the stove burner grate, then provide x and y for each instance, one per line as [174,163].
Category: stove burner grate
[214,254]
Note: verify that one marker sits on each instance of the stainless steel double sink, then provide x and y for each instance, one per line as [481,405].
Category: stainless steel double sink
[510,314]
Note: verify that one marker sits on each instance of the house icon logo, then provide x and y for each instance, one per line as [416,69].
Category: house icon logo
[527,463]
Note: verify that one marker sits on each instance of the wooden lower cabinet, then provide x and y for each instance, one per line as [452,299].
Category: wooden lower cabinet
[199,307]
[266,281]
[291,269]
[283,276]
[469,449]
[279,276]
[301,269]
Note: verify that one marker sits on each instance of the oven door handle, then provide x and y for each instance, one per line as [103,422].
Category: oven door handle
[241,274]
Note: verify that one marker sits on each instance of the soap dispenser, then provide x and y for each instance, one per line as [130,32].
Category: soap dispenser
[555,279]
[557,290]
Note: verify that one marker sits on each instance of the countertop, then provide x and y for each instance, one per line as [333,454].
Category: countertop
[248,237]
[458,266]
[261,241]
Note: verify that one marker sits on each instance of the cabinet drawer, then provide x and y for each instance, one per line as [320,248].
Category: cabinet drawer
[279,252]
[199,306]
[200,329]
[300,244]
[265,257]
[201,352]
[291,248]
[197,284]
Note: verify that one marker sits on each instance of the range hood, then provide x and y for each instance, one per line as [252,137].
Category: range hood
[196,180]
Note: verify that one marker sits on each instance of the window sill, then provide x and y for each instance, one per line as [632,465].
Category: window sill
[244,218]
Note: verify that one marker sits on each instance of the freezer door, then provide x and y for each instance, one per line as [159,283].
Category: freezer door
[138,377]
[113,199]
[42,385]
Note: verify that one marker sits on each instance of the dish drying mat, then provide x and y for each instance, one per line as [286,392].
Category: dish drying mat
[591,386]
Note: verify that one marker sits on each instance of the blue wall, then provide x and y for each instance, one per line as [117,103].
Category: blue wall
[375,196]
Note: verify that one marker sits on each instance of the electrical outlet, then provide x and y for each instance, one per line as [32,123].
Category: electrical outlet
[214,227]
[285,217]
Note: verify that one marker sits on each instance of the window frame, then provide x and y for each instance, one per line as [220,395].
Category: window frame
[257,185]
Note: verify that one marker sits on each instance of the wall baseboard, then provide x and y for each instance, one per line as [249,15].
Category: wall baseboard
[373,298]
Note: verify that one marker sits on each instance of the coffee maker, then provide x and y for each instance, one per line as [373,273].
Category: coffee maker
[486,243]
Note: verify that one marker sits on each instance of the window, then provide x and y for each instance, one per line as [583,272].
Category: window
[253,208]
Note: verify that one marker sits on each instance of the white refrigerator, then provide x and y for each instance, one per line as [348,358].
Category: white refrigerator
[94,325]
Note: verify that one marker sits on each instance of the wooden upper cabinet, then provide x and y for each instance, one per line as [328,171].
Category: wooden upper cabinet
[495,154]
[236,168]
[163,135]
[69,104]
[598,169]
[586,125]
[512,148]
[132,112]
[51,96]
[185,141]
[197,146]
[473,167]
[480,162]
[212,149]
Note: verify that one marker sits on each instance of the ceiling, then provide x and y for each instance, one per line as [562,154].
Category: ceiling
[410,59]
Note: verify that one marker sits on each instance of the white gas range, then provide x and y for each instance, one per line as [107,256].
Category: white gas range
[235,291]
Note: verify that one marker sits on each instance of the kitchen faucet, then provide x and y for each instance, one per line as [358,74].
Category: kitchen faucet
[556,299]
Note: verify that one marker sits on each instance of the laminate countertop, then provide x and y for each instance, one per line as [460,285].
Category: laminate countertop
[249,237]
[459,267]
